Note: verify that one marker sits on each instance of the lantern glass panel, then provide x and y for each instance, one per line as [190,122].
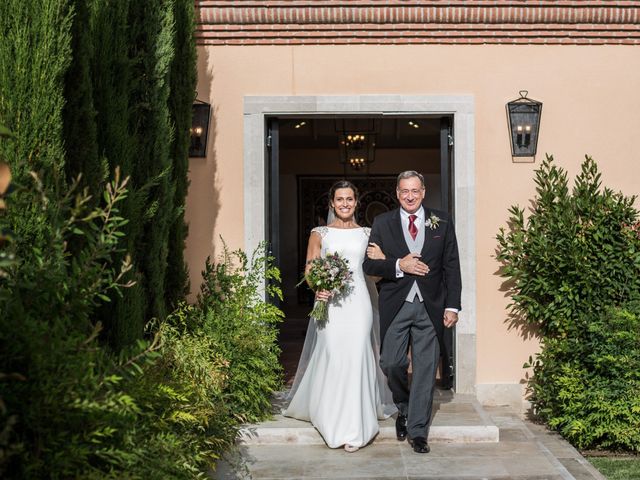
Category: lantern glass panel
[199,129]
[524,124]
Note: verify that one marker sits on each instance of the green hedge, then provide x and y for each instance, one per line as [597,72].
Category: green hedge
[94,87]
[573,273]
[112,78]
[166,407]
[35,53]
[242,325]
[91,85]
[183,77]
[588,387]
[143,119]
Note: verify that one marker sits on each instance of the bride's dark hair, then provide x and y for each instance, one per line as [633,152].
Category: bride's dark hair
[342,184]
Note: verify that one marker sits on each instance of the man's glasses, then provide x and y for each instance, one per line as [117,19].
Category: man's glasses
[405,192]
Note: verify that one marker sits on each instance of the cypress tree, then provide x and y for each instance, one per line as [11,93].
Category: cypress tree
[152,24]
[183,84]
[112,81]
[79,113]
[34,57]
[143,72]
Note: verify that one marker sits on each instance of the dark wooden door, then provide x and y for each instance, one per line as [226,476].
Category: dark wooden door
[446,191]
[272,190]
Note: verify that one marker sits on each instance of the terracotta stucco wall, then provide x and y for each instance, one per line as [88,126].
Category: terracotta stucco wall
[591,107]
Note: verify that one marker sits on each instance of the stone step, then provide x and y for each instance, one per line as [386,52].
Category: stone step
[456,419]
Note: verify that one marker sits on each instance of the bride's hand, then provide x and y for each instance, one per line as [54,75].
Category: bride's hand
[374,252]
[323,295]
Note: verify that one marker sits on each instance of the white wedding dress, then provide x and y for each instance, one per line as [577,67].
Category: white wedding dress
[342,390]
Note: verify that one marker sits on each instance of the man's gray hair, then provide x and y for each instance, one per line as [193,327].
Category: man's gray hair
[410,174]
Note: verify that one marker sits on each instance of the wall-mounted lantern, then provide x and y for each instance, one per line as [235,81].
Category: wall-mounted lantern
[199,128]
[524,123]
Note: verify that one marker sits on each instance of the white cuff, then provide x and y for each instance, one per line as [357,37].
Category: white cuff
[399,273]
[454,310]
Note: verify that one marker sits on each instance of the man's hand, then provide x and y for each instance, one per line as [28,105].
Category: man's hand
[450,318]
[412,264]
[374,252]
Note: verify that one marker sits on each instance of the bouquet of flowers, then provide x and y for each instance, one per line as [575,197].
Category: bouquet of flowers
[329,273]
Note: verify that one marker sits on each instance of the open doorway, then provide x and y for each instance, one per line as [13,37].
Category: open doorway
[306,155]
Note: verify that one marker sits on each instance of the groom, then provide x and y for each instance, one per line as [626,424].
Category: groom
[419,298]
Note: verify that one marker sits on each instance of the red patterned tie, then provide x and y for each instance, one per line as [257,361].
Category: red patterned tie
[413,230]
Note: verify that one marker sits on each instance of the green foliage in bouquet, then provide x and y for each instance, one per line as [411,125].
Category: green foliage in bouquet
[329,273]
[243,326]
[573,273]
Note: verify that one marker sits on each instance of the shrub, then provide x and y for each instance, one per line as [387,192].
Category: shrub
[163,408]
[588,388]
[242,324]
[181,423]
[64,400]
[143,114]
[183,78]
[573,269]
[574,254]
[217,366]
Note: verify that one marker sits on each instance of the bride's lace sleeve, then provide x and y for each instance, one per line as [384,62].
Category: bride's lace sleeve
[322,231]
[367,231]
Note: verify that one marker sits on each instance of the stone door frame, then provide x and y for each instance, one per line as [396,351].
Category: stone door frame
[461,107]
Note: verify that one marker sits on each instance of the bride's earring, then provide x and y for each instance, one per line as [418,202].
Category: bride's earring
[331,214]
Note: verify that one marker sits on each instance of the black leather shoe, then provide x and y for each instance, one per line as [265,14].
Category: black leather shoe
[401,427]
[419,445]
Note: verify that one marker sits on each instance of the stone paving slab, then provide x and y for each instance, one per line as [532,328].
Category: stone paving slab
[525,451]
[303,433]
[455,419]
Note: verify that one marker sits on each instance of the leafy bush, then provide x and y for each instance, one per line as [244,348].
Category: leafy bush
[61,404]
[165,407]
[243,327]
[180,423]
[588,388]
[70,407]
[216,367]
[576,253]
[573,269]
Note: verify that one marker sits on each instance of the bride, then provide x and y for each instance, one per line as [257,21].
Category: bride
[339,386]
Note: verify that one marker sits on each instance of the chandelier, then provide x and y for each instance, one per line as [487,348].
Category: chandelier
[357,143]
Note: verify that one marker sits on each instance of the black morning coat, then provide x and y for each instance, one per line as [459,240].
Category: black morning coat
[440,288]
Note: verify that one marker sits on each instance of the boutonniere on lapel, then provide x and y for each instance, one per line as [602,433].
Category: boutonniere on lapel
[432,222]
